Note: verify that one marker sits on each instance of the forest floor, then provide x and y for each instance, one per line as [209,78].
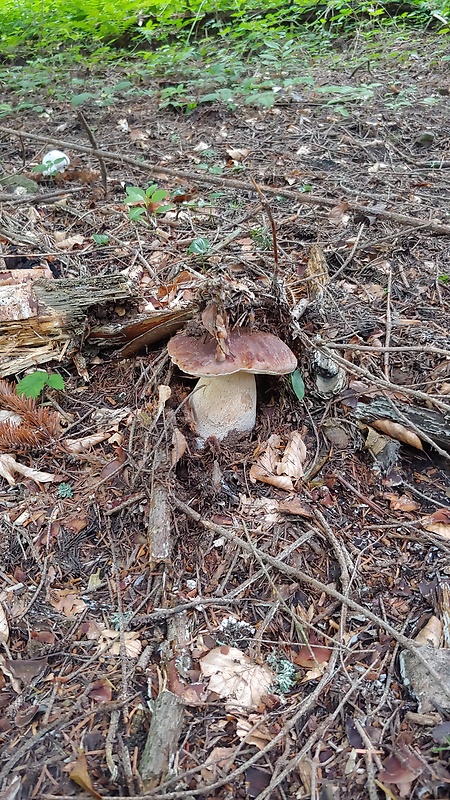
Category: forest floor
[239,620]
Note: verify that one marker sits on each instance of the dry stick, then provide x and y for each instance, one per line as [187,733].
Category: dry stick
[387,337]
[94,144]
[319,344]
[368,758]
[408,644]
[268,211]
[365,348]
[30,199]
[299,197]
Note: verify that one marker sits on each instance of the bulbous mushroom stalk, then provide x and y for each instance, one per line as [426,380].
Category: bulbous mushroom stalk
[224,398]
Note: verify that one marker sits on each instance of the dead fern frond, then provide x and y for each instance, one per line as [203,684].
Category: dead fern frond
[38,426]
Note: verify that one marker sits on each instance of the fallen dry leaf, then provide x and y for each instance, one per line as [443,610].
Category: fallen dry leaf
[133,645]
[101,691]
[431,634]
[4,627]
[397,431]
[438,522]
[9,467]
[311,655]
[338,214]
[179,445]
[80,775]
[253,731]
[64,242]
[234,676]
[237,153]
[293,457]
[218,763]
[402,503]
[67,602]
[86,442]
[164,393]
[401,768]
[260,473]
[280,469]
[24,670]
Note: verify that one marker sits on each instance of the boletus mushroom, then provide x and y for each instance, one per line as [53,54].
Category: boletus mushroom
[224,398]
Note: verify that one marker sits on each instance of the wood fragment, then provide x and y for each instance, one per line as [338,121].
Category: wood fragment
[431,423]
[162,739]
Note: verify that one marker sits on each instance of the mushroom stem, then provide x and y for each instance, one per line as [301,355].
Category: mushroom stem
[223,404]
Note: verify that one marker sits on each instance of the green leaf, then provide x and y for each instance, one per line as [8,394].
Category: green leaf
[79,99]
[164,209]
[297,384]
[100,238]
[199,246]
[55,381]
[160,194]
[32,385]
[136,213]
[135,195]
[150,189]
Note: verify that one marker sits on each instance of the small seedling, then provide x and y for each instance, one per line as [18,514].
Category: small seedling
[32,385]
[146,201]
[199,247]
[298,384]
[100,238]
[261,238]
[65,491]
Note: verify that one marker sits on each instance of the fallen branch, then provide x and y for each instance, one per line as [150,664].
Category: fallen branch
[299,197]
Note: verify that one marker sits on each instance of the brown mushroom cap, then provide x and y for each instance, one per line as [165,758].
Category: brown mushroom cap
[250,351]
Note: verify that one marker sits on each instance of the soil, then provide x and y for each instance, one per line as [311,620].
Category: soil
[121,573]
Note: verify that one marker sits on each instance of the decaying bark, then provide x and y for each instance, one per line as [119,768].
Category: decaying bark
[162,739]
[433,424]
[45,320]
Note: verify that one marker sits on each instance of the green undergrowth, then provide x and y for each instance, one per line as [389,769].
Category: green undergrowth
[27,26]
[185,54]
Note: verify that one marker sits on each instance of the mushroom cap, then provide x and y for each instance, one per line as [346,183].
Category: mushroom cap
[252,351]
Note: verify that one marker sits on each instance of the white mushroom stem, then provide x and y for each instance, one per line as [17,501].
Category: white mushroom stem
[223,404]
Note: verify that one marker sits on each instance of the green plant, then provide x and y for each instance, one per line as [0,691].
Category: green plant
[199,247]
[261,238]
[100,238]
[32,385]
[146,201]
[65,491]
[298,384]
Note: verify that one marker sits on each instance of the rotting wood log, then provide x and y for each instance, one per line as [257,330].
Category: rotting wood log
[162,739]
[431,423]
[47,320]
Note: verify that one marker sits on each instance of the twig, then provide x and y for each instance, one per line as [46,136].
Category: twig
[365,348]
[352,252]
[36,199]
[300,197]
[387,338]
[94,144]
[319,344]
[362,497]
[368,758]
[268,211]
